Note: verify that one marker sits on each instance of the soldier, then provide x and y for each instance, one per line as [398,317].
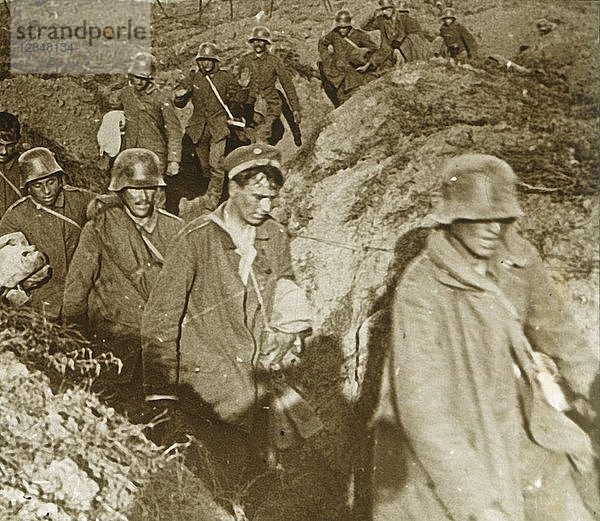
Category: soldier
[119,256]
[471,423]
[150,118]
[10,177]
[51,217]
[342,51]
[205,316]
[458,41]
[398,31]
[213,92]
[259,71]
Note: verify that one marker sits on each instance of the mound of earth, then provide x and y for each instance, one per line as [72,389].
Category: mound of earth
[65,455]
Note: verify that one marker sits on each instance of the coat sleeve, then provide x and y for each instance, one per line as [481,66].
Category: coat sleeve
[372,24]
[551,329]
[163,317]
[82,274]
[11,222]
[422,380]
[183,91]
[362,39]
[173,130]
[285,79]
[469,42]
[323,47]
[114,99]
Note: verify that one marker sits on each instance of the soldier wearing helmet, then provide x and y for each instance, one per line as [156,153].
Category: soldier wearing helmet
[216,97]
[119,256]
[150,118]
[459,43]
[399,32]
[342,51]
[259,70]
[50,216]
[470,404]
[10,178]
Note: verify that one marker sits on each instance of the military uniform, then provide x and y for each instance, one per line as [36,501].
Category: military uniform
[339,66]
[458,41]
[264,71]
[150,122]
[112,272]
[54,231]
[207,126]
[401,32]
[10,184]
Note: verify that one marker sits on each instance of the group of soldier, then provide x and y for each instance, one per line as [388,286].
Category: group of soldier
[349,57]
[206,317]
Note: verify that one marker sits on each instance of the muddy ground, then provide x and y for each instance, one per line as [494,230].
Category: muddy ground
[359,189]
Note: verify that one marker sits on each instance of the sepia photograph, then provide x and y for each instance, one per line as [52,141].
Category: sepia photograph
[299,260]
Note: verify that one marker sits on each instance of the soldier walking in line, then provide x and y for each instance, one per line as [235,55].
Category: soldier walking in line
[10,176]
[50,216]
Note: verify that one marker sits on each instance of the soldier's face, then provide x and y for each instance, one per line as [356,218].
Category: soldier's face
[206,66]
[252,203]
[139,201]
[448,21]
[480,238]
[45,191]
[139,84]
[387,12]
[259,46]
[344,31]
[7,150]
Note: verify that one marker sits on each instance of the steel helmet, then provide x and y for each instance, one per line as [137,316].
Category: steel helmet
[385,4]
[260,33]
[477,187]
[37,163]
[143,66]
[343,19]
[208,51]
[448,13]
[136,168]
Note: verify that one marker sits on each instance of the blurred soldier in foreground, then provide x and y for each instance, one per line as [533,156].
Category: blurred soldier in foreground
[459,43]
[259,70]
[471,426]
[342,51]
[51,217]
[10,176]
[213,93]
[119,256]
[398,31]
[203,323]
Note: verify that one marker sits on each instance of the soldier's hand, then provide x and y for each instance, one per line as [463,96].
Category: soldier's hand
[297,116]
[364,68]
[172,168]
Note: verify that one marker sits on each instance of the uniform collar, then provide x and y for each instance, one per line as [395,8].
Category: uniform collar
[60,200]
[262,233]
[458,272]
[148,225]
